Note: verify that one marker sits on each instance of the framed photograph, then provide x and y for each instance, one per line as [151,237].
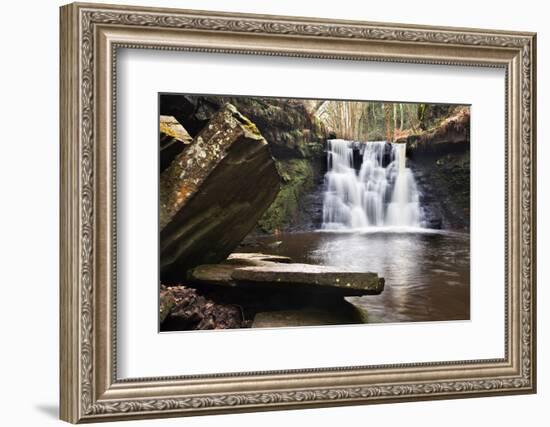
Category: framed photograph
[267,212]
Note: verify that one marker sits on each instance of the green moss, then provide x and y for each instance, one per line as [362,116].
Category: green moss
[297,176]
[282,123]
[251,127]
[246,123]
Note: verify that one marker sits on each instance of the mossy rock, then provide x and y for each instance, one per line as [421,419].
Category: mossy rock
[298,178]
[207,202]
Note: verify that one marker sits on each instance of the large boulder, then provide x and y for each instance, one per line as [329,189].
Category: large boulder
[213,193]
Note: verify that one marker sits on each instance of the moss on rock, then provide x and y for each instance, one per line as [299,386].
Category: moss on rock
[207,203]
[286,124]
[295,137]
[298,178]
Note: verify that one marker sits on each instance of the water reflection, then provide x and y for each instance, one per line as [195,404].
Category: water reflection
[427,274]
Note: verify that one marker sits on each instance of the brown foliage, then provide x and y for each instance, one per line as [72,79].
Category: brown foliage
[199,312]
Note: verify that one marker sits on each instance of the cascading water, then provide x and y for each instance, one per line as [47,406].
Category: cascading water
[382,193]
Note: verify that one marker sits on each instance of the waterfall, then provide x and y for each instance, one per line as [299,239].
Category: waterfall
[369,185]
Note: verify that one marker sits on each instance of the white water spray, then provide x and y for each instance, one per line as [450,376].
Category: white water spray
[382,193]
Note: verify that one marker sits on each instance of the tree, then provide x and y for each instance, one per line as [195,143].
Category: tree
[413,123]
[387,115]
[421,114]
[394,119]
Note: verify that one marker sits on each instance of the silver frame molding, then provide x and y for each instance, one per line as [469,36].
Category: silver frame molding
[90,37]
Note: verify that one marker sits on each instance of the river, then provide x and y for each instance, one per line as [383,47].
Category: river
[373,222]
[427,273]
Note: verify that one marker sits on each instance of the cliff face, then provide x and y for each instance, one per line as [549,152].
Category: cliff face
[440,158]
[444,186]
[295,137]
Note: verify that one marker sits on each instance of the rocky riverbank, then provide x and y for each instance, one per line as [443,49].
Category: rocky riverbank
[259,290]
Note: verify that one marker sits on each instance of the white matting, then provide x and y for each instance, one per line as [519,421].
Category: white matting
[143,352]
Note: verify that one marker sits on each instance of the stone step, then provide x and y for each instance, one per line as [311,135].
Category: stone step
[260,272]
[342,313]
[322,278]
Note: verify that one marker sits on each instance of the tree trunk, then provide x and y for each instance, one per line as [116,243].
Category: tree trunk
[394,119]
[412,120]
[366,122]
[387,113]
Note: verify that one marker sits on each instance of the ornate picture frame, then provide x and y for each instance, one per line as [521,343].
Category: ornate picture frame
[90,37]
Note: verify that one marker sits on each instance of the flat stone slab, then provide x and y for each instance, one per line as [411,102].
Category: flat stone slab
[316,276]
[213,274]
[170,127]
[256,258]
[220,274]
[256,272]
[173,140]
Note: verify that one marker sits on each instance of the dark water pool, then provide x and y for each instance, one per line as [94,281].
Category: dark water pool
[427,273]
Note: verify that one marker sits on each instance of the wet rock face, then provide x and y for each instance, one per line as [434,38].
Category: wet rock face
[444,186]
[290,208]
[440,160]
[214,192]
